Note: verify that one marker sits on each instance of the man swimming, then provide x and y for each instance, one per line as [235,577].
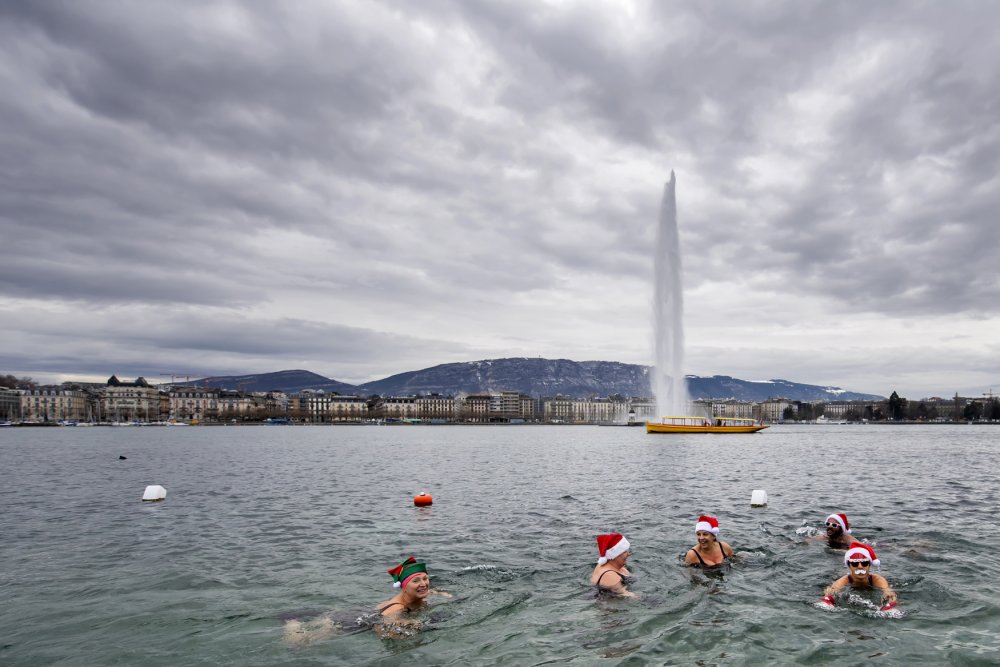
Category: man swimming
[859,559]
[838,532]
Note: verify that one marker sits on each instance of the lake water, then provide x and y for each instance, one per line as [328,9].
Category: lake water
[263,522]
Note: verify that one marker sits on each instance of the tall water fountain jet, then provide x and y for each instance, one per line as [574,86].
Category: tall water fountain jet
[668,382]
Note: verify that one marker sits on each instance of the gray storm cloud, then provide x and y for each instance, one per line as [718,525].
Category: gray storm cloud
[385,186]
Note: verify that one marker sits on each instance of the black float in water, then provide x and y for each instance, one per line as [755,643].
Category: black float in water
[122,458]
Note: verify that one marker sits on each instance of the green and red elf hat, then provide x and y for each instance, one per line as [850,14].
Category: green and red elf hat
[402,572]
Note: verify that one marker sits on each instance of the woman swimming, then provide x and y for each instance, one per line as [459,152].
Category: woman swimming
[410,577]
[710,553]
[390,619]
[611,575]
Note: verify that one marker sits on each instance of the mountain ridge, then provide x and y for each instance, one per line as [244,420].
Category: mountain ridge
[535,377]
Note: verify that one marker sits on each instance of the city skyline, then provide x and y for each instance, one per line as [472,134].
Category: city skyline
[366,189]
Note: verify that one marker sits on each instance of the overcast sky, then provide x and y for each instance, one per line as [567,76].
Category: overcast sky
[364,188]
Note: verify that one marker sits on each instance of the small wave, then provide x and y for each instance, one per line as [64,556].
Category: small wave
[492,573]
[807,531]
[858,601]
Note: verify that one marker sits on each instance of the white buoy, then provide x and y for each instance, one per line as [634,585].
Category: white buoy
[758,498]
[154,492]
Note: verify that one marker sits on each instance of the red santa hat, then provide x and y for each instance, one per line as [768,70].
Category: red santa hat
[842,520]
[610,547]
[858,551]
[707,523]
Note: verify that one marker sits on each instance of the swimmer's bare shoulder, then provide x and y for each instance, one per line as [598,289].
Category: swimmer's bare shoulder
[390,609]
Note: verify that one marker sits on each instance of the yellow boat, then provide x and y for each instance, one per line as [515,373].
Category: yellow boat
[704,425]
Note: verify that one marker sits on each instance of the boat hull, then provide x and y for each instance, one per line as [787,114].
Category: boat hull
[673,428]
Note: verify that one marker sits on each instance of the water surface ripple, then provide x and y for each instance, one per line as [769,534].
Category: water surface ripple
[264,522]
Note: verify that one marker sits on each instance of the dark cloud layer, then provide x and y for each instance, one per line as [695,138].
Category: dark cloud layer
[446,178]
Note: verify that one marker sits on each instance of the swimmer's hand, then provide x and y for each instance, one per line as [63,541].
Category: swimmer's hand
[889,597]
[443,594]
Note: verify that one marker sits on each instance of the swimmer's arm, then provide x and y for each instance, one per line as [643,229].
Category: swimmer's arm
[836,586]
[621,590]
[881,583]
[690,558]
[618,588]
[727,550]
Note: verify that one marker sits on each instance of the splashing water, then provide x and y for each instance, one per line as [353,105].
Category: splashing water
[669,383]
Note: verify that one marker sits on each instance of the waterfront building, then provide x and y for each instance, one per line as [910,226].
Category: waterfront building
[320,407]
[476,408]
[436,406]
[133,401]
[53,404]
[10,404]
[238,406]
[507,405]
[773,409]
[193,403]
[396,408]
[277,404]
[557,410]
[943,409]
[733,408]
[596,410]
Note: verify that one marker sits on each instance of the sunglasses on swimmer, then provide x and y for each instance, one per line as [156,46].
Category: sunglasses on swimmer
[832,524]
[859,563]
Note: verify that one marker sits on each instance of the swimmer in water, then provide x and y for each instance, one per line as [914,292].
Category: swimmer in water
[611,575]
[859,559]
[410,577]
[838,532]
[414,585]
[710,552]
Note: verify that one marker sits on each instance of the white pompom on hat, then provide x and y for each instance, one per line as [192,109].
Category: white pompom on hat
[858,551]
[707,523]
[610,547]
[842,520]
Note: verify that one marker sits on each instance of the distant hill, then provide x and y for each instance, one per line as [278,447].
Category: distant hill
[723,386]
[549,377]
[535,377]
[286,381]
[532,376]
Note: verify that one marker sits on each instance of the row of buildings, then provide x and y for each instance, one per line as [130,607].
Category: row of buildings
[138,401]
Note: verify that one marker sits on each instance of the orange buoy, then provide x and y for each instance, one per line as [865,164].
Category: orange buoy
[422,499]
